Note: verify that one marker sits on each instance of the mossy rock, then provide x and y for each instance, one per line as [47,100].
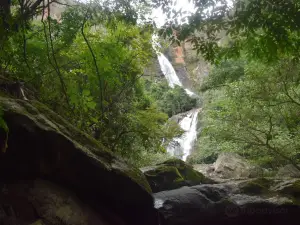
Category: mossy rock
[164,178]
[174,162]
[256,186]
[48,120]
[43,144]
[38,222]
[172,174]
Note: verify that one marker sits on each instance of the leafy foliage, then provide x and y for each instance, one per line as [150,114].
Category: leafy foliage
[256,116]
[88,67]
[172,101]
[263,29]
[228,71]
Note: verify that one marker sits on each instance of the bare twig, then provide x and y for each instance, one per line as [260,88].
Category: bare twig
[56,67]
[21,2]
[288,94]
[266,143]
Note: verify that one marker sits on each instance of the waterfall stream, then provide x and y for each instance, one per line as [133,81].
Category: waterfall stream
[170,73]
[168,70]
[180,147]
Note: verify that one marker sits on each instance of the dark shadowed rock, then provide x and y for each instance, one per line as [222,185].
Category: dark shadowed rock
[289,187]
[40,202]
[223,204]
[43,145]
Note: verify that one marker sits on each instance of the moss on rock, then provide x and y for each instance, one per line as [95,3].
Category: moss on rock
[172,174]
[43,144]
[43,117]
[174,162]
[256,186]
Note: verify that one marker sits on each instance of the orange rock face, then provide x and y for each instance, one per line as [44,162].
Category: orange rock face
[179,55]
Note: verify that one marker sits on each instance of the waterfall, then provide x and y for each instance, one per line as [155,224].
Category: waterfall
[181,147]
[167,68]
[168,71]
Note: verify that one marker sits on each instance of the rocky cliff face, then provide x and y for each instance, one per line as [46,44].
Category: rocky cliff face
[153,69]
[56,9]
[189,66]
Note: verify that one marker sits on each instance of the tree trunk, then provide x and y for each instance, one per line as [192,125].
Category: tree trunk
[5,10]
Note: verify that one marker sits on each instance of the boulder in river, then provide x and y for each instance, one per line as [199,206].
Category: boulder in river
[172,174]
[231,165]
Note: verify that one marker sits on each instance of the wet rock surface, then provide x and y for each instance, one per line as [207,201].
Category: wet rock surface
[233,199]
[226,203]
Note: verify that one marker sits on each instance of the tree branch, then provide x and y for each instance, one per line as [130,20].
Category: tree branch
[55,67]
[288,94]
[95,63]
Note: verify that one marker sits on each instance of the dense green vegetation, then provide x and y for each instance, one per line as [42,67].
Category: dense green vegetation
[261,29]
[252,95]
[255,114]
[88,67]
[170,100]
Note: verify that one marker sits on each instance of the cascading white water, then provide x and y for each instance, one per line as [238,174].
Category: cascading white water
[167,68]
[181,147]
[168,71]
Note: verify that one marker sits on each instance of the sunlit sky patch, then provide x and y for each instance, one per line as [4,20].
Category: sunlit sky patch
[160,18]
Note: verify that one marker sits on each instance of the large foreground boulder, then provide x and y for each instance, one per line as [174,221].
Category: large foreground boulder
[249,202]
[42,145]
[40,202]
[172,174]
[231,165]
